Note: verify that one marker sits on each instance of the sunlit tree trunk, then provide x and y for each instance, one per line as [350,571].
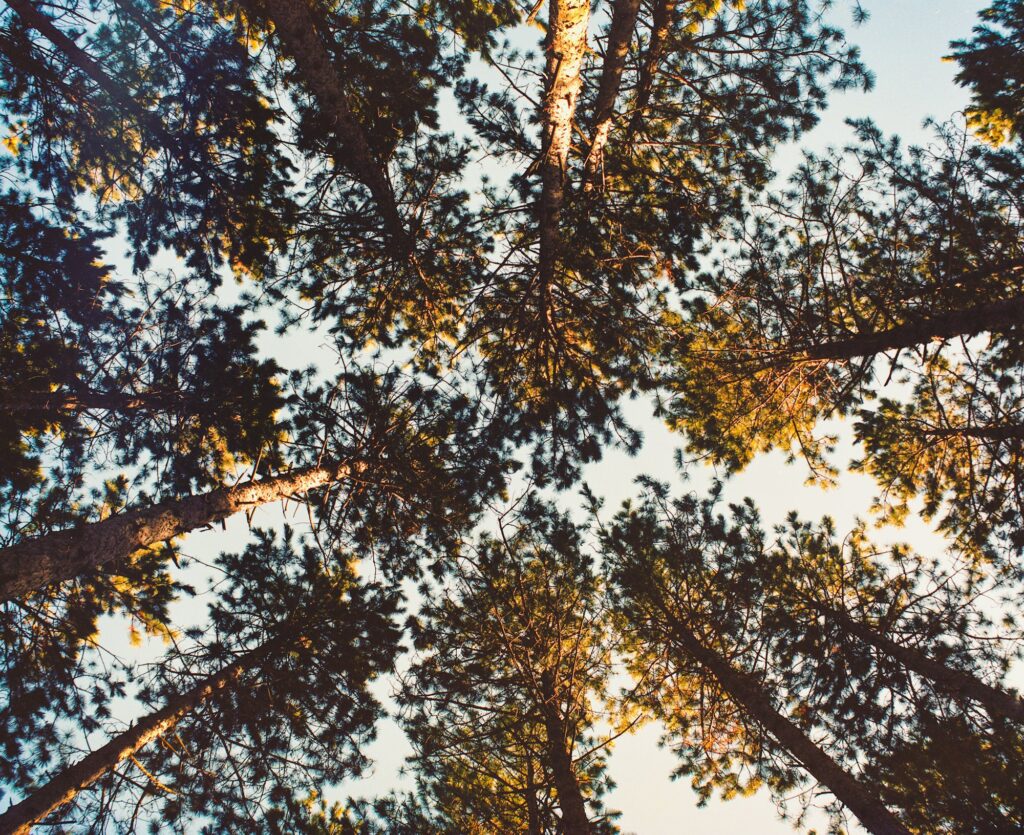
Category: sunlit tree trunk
[992,317]
[1003,432]
[20,818]
[58,404]
[566,46]
[620,35]
[62,555]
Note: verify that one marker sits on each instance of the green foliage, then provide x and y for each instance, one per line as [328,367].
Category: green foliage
[372,174]
[786,609]
[512,663]
[992,69]
[298,715]
[877,251]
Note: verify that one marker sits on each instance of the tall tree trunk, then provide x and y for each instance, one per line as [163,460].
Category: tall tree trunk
[749,693]
[620,35]
[661,25]
[58,404]
[62,555]
[990,317]
[566,46]
[998,432]
[995,700]
[575,820]
[296,27]
[20,818]
[35,19]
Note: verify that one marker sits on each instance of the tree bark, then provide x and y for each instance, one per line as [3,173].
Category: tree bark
[296,27]
[661,24]
[995,700]
[1004,432]
[42,23]
[62,555]
[749,694]
[575,820]
[991,317]
[20,818]
[566,46]
[620,35]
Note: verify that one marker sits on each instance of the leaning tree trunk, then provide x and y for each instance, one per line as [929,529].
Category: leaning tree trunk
[620,35]
[42,23]
[59,404]
[62,555]
[991,317]
[20,818]
[566,46]
[749,694]
[995,700]
[296,28]
[575,820]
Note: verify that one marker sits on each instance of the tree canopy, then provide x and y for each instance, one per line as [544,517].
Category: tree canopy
[407,270]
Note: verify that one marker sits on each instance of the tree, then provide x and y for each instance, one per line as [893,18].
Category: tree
[700,648]
[957,444]
[990,67]
[271,692]
[567,336]
[874,652]
[877,253]
[504,696]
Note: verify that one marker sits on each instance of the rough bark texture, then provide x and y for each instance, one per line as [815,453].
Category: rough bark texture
[35,563]
[566,46]
[296,27]
[750,694]
[996,701]
[20,818]
[661,25]
[570,799]
[992,317]
[620,35]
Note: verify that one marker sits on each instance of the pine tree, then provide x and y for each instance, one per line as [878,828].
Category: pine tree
[504,696]
[267,699]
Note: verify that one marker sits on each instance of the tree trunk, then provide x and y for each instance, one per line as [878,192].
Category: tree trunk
[1004,432]
[296,27]
[749,694]
[991,317]
[620,35]
[566,45]
[61,403]
[62,555]
[995,700]
[575,820]
[20,818]
[533,826]
[35,19]
[661,24]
